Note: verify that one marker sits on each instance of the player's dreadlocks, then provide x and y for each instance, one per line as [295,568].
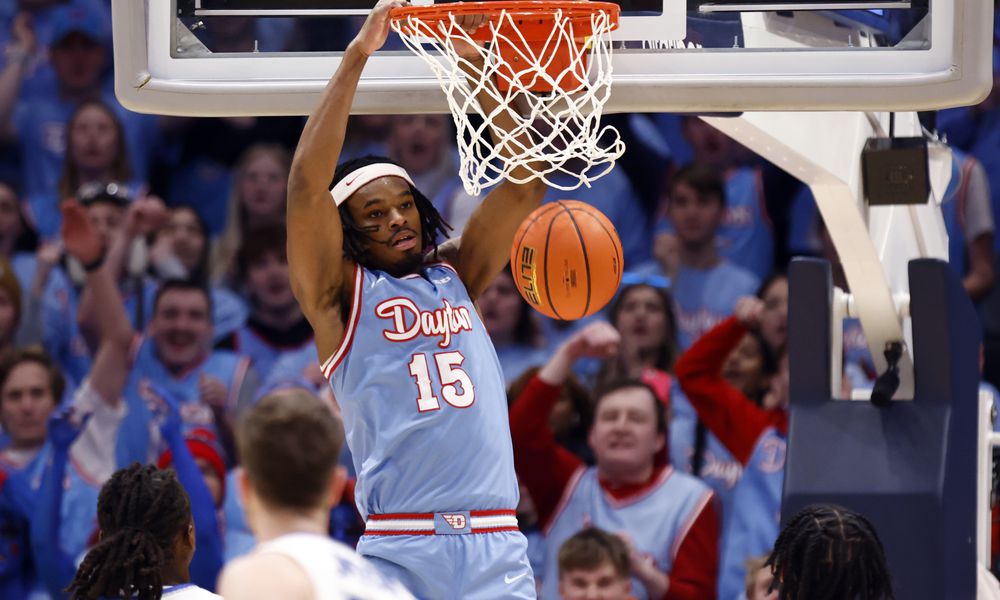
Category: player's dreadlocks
[432,224]
[141,510]
[827,552]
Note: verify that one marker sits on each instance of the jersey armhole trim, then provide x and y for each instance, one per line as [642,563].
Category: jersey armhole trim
[567,494]
[698,508]
[334,361]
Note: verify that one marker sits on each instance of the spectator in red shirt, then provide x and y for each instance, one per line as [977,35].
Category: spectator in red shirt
[668,519]
[754,435]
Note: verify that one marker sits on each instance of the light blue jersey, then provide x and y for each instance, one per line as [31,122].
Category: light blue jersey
[745,236]
[719,469]
[263,354]
[422,397]
[134,441]
[702,298]
[752,528]
[657,519]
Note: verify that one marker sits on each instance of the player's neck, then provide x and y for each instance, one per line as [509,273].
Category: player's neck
[701,256]
[276,523]
[176,575]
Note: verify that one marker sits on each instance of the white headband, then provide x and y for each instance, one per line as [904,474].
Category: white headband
[355,179]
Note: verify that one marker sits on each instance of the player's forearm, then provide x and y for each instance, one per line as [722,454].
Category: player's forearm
[322,137]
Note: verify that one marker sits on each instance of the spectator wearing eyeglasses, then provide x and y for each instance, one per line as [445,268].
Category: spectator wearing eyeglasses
[68,321]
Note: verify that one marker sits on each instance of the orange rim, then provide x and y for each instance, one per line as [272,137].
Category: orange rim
[532,16]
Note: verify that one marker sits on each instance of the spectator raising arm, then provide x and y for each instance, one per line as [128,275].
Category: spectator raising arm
[55,567]
[727,413]
[544,466]
[207,561]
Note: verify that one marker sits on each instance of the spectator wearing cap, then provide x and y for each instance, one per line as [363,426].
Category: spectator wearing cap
[276,324]
[39,125]
[39,76]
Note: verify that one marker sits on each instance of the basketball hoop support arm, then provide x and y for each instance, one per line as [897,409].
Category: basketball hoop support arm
[875,243]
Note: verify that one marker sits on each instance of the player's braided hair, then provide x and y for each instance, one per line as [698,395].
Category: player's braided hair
[827,552]
[141,510]
[432,224]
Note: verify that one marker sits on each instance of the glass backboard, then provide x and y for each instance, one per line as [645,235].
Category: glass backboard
[273,57]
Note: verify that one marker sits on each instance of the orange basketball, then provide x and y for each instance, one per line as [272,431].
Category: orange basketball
[567,260]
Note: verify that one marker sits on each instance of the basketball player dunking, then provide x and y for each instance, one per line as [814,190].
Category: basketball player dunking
[410,363]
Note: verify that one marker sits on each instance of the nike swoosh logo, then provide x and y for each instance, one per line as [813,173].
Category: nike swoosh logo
[508,579]
[349,183]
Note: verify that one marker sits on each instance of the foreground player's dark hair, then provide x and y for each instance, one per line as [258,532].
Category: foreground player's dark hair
[432,224]
[827,552]
[141,510]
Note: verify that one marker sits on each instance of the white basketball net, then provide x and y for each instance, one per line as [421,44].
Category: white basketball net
[563,125]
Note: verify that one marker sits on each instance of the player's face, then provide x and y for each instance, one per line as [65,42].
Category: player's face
[25,404]
[774,317]
[602,583]
[624,437]
[181,328]
[267,282]
[93,139]
[501,307]
[385,211]
[642,319]
[262,189]
[744,367]
[183,233]
[695,217]
[77,61]
[419,141]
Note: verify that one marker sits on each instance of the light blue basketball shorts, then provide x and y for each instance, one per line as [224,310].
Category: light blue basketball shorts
[452,561]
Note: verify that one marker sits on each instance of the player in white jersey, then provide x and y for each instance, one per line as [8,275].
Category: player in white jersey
[289,444]
[147,540]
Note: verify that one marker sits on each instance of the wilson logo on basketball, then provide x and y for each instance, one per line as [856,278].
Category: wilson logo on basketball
[456,521]
[409,321]
[529,276]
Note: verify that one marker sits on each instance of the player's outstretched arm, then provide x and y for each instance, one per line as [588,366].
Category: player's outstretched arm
[494,222]
[316,261]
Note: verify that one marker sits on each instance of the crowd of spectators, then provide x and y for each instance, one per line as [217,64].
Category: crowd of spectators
[142,258]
